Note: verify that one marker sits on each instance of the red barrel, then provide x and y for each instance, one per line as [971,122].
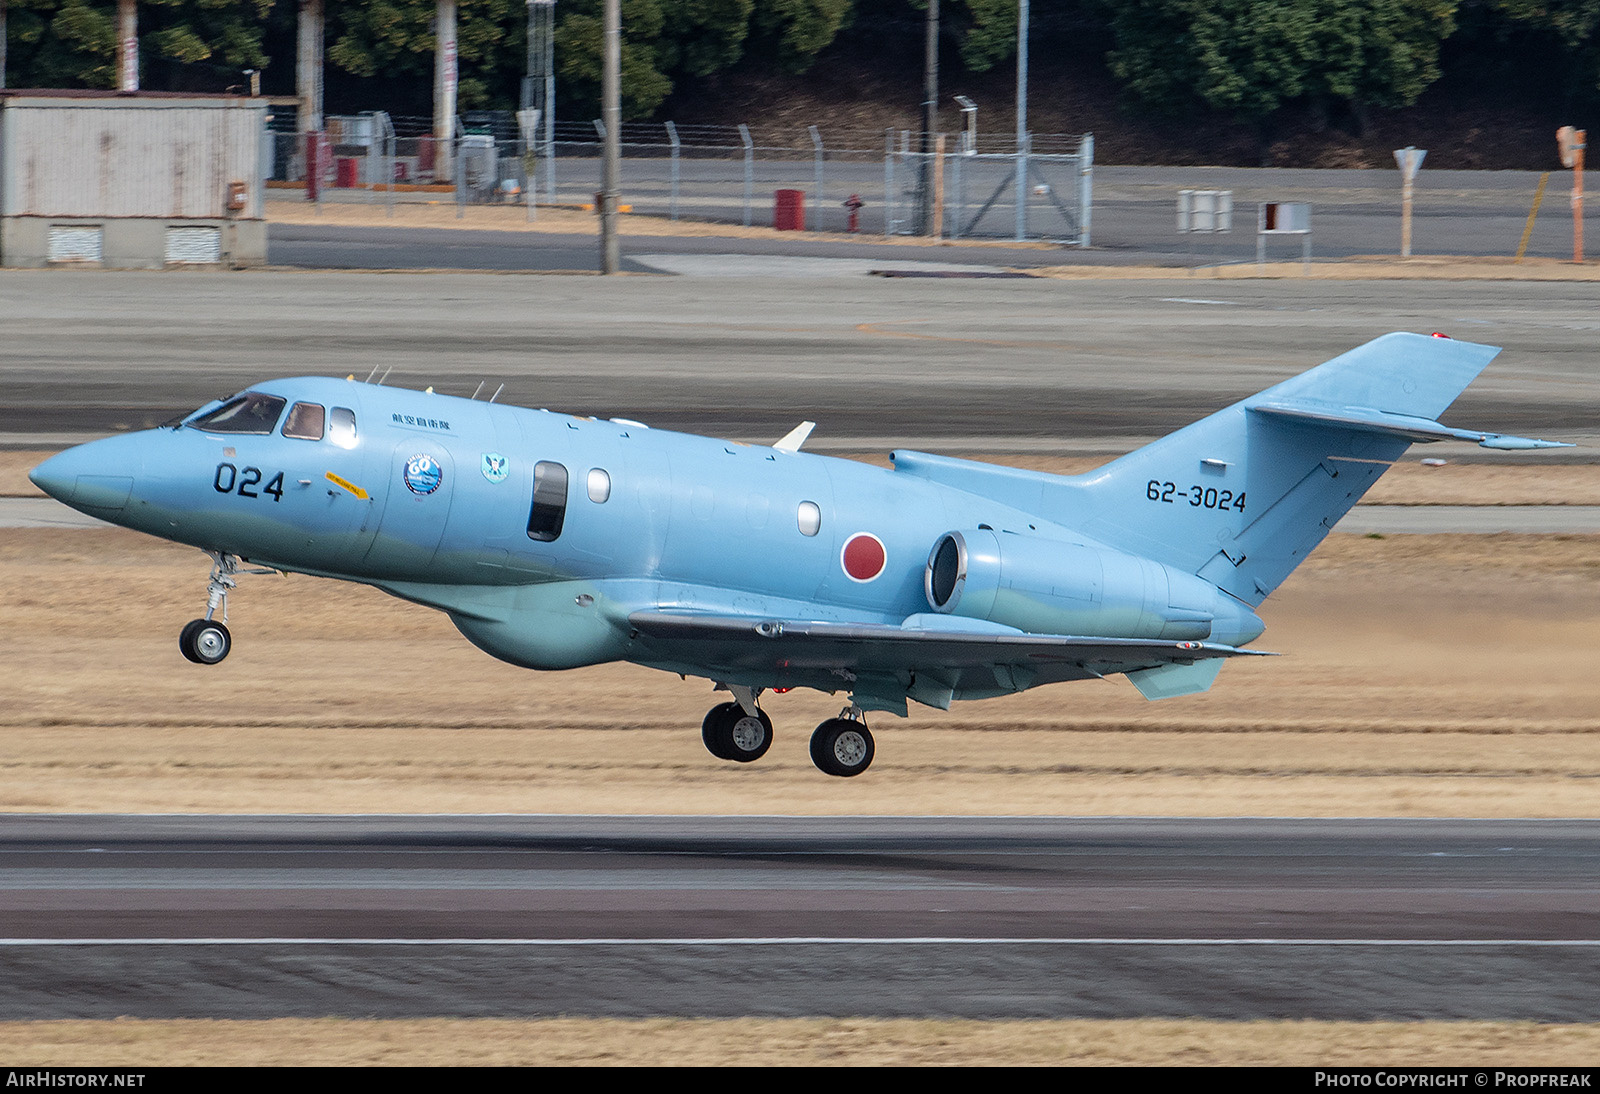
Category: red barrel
[348,173]
[789,210]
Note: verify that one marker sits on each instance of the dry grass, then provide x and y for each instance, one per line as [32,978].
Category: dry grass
[1400,696]
[566,220]
[1355,268]
[794,1042]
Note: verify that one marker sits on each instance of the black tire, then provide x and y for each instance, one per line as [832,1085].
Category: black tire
[842,747]
[730,734]
[186,639]
[205,641]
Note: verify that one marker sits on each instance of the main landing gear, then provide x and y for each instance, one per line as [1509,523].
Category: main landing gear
[207,641]
[732,734]
[843,746]
[840,746]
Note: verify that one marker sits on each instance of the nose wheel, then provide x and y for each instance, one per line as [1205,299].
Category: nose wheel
[206,641]
[843,746]
[731,733]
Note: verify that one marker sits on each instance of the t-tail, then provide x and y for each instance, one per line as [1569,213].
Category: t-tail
[1243,496]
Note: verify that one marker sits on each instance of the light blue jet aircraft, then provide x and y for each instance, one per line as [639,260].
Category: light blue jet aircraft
[553,541]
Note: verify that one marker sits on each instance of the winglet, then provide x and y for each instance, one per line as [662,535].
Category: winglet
[796,437]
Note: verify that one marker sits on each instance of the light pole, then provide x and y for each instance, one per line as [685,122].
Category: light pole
[539,86]
[611,117]
[930,116]
[1022,120]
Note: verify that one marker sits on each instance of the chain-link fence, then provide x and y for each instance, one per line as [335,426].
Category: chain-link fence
[836,181]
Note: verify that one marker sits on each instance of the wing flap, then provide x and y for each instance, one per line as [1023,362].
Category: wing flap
[958,643]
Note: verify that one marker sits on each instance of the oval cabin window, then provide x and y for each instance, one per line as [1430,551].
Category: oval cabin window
[810,518]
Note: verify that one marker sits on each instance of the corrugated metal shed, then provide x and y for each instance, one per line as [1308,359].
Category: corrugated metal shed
[88,154]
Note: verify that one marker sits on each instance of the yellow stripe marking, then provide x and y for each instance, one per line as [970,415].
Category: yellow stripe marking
[347,485]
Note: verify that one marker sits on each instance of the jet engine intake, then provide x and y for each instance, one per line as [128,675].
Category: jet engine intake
[1049,586]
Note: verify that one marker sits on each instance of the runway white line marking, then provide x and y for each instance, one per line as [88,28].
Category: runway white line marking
[804,940]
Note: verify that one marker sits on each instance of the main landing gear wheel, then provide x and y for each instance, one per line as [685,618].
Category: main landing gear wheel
[205,641]
[732,734]
[842,746]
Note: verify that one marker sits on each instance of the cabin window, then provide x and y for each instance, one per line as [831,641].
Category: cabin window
[599,485]
[809,518]
[305,421]
[549,501]
[251,412]
[342,427]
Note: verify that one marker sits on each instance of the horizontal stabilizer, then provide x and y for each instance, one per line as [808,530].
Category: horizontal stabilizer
[1362,419]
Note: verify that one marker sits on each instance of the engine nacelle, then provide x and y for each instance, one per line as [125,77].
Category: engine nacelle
[1051,587]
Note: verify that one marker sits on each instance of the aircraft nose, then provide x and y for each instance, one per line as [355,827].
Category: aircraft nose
[56,476]
[95,478]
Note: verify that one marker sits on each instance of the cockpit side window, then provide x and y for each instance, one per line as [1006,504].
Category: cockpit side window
[342,427]
[305,421]
[252,412]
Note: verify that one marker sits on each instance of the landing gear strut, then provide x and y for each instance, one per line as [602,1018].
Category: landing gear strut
[843,746]
[731,733]
[207,641]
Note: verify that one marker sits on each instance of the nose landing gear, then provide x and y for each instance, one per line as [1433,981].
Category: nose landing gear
[206,641]
[843,746]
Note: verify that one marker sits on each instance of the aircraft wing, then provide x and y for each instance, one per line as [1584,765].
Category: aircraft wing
[928,641]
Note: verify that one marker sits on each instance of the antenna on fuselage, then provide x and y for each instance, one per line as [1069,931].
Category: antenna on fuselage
[385,375]
[370,375]
[497,392]
[477,391]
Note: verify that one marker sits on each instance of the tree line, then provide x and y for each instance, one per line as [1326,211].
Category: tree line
[1248,59]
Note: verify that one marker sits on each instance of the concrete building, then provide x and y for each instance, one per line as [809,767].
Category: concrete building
[140,180]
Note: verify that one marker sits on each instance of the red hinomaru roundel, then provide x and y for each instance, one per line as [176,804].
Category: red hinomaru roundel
[863,556]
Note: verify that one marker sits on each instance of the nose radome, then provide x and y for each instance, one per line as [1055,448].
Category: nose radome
[58,475]
[95,478]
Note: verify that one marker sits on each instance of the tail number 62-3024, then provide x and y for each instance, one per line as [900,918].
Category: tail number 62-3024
[1208,497]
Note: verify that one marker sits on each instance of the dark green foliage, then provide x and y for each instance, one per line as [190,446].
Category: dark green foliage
[1251,57]
[1244,58]
[396,38]
[184,45]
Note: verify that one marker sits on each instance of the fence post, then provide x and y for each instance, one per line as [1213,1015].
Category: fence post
[816,199]
[550,156]
[958,204]
[393,144]
[460,167]
[1023,148]
[1085,186]
[888,182]
[749,169]
[672,135]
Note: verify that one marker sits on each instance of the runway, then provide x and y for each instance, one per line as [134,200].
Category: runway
[987,917]
[981,366]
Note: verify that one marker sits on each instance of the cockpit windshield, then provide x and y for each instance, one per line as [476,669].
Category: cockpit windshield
[251,412]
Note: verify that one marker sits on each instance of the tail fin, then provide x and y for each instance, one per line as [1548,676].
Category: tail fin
[1242,497]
